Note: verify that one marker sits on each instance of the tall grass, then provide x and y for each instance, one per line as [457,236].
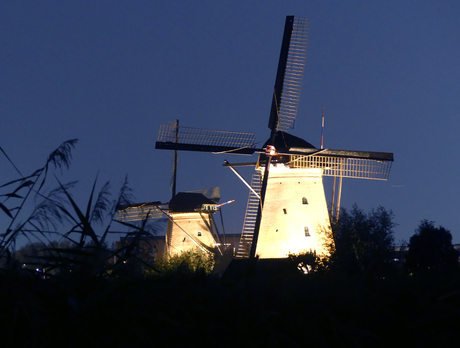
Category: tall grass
[56,215]
[20,191]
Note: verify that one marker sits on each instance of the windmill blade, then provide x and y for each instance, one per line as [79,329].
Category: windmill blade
[364,167]
[141,211]
[379,156]
[172,137]
[290,73]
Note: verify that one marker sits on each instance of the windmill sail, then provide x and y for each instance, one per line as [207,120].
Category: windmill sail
[141,211]
[290,73]
[172,137]
[346,167]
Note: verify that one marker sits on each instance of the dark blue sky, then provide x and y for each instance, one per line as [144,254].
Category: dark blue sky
[109,73]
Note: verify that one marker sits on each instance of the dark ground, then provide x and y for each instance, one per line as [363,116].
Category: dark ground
[251,305]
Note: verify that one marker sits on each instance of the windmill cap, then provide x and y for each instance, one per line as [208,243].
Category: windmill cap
[284,141]
[187,202]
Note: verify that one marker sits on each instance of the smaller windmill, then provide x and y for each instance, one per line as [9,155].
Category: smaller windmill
[190,216]
[287,210]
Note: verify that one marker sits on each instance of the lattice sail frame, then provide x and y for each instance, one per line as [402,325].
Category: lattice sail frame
[361,168]
[292,83]
[196,139]
[141,212]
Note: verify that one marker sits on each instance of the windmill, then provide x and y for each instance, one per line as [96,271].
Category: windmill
[190,220]
[190,217]
[287,210]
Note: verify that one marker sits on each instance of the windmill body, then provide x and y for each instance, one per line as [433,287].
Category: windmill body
[189,231]
[295,217]
[191,224]
[190,220]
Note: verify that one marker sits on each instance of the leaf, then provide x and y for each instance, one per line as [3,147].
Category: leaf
[5,209]
[37,173]
[86,226]
[11,195]
[62,155]
[102,204]
[24,184]
[88,208]
[3,151]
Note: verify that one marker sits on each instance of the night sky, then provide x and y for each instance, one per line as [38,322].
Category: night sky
[109,73]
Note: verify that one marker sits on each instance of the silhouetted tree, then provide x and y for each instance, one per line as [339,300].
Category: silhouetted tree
[431,250]
[364,242]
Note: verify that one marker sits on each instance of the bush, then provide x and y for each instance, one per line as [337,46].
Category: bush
[187,263]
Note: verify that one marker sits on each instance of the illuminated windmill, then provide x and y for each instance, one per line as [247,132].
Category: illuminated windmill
[287,210]
[190,220]
[190,217]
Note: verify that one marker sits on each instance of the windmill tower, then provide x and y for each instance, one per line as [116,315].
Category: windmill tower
[191,223]
[287,210]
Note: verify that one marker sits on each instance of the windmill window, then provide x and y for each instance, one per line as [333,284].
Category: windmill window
[304,200]
[285,211]
[307,231]
[198,233]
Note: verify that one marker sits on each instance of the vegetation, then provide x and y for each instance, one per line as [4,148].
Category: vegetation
[186,263]
[87,294]
[364,242]
[431,250]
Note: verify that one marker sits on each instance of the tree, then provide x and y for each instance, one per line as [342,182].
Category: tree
[364,242]
[431,250]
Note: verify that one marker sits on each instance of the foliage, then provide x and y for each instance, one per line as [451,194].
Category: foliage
[431,250]
[364,242]
[187,262]
[309,262]
[82,247]
[19,191]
